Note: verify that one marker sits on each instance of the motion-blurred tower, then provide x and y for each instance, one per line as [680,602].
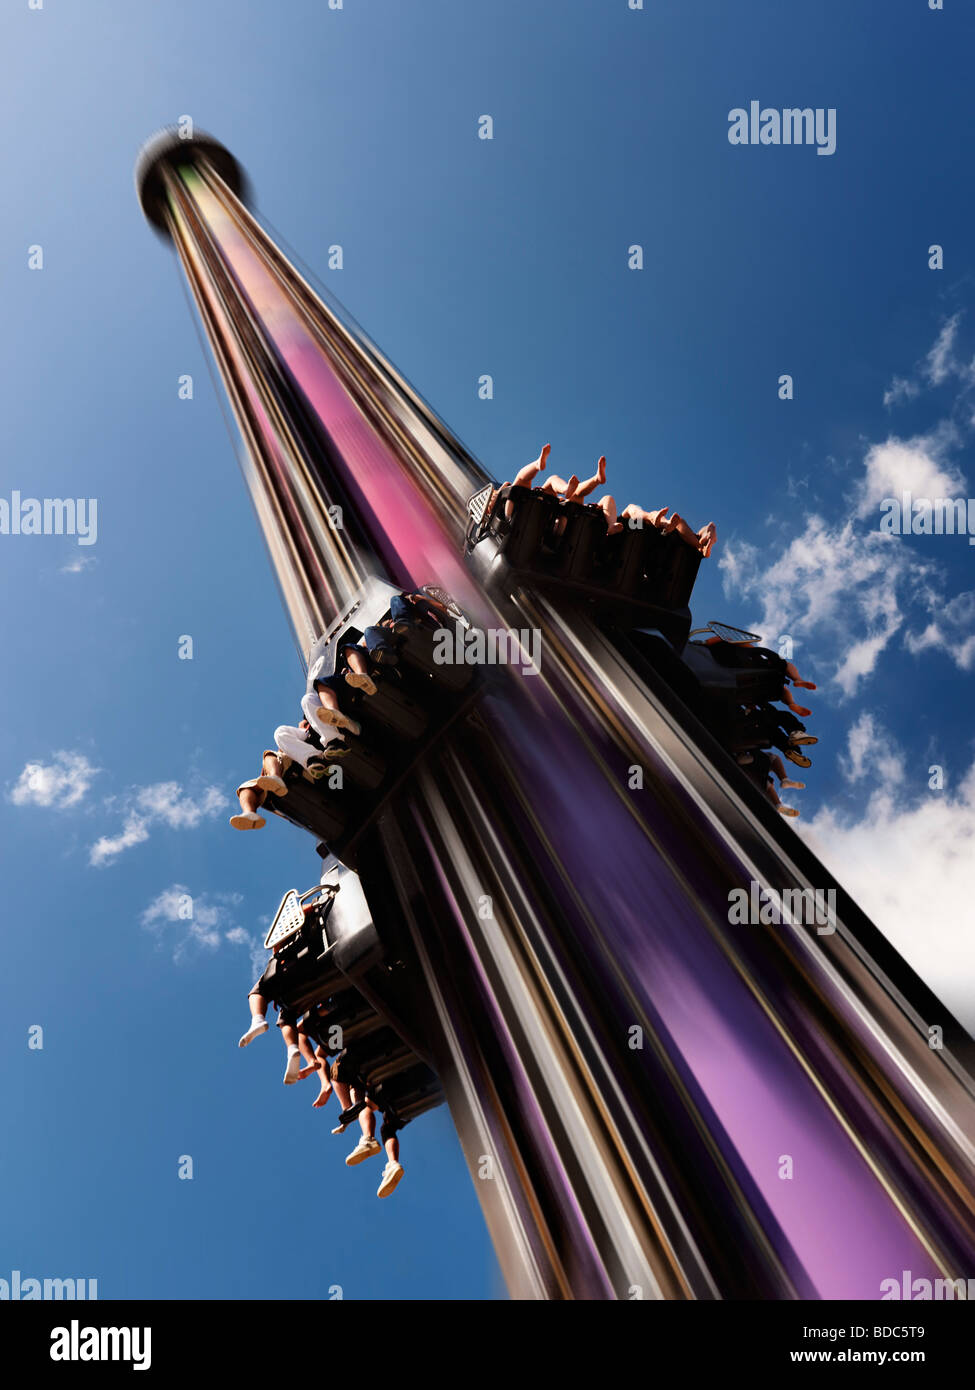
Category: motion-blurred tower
[653,1102]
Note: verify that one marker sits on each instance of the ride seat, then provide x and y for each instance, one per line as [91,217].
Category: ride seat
[521,540]
[418,650]
[579,544]
[626,559]
[679,564]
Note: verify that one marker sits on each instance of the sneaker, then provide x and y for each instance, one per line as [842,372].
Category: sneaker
[248,820]
[258,1026]
[340,720]
[272,784]
[360,682]
[316,768]
[363,1150]
[402,627]
[292,1069]
[744,759]
[391,1176]
[787,810]
[384,656]
[799,740]
[799,759]
[793,786]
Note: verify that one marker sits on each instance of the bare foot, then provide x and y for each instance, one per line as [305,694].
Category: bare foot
[571,488]
[307,1071]
[322,1097]
[525,477]
[707,536]
[601,468]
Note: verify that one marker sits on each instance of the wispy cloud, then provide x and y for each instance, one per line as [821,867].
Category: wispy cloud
[872,755]
[192,924]
[60,783]
[942,363]
[830,579]
[901,389]
[843,585]
[162,803]
[78,563]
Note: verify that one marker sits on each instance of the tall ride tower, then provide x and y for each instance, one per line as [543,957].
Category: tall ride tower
[653,1102]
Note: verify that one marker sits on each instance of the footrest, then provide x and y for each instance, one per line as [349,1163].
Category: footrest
[394,711]
[361,764]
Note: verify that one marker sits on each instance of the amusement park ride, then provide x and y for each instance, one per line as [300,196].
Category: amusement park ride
[653,1101]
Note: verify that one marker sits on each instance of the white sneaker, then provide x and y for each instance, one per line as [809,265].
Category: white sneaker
[391,1176]
[292,1069]
[258,1026]
[358,681]
[338,720]
[272,784]
[248,820]
[364,1149]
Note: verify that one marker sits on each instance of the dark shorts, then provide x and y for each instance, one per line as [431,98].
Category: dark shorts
[286,1016]
[315,1026]
[337,683]
[346,1071]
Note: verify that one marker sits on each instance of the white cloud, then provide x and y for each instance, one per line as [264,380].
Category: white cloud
[108,847]
[871,753]
[908,865]
[61,783]
[189,923]
[952,631]
[166,802]
[911,465]
[828,579]
[900,389]
[162,803]
[78,563]
[940,362]
[853,588]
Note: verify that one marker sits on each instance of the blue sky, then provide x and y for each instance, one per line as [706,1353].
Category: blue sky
[462,257]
